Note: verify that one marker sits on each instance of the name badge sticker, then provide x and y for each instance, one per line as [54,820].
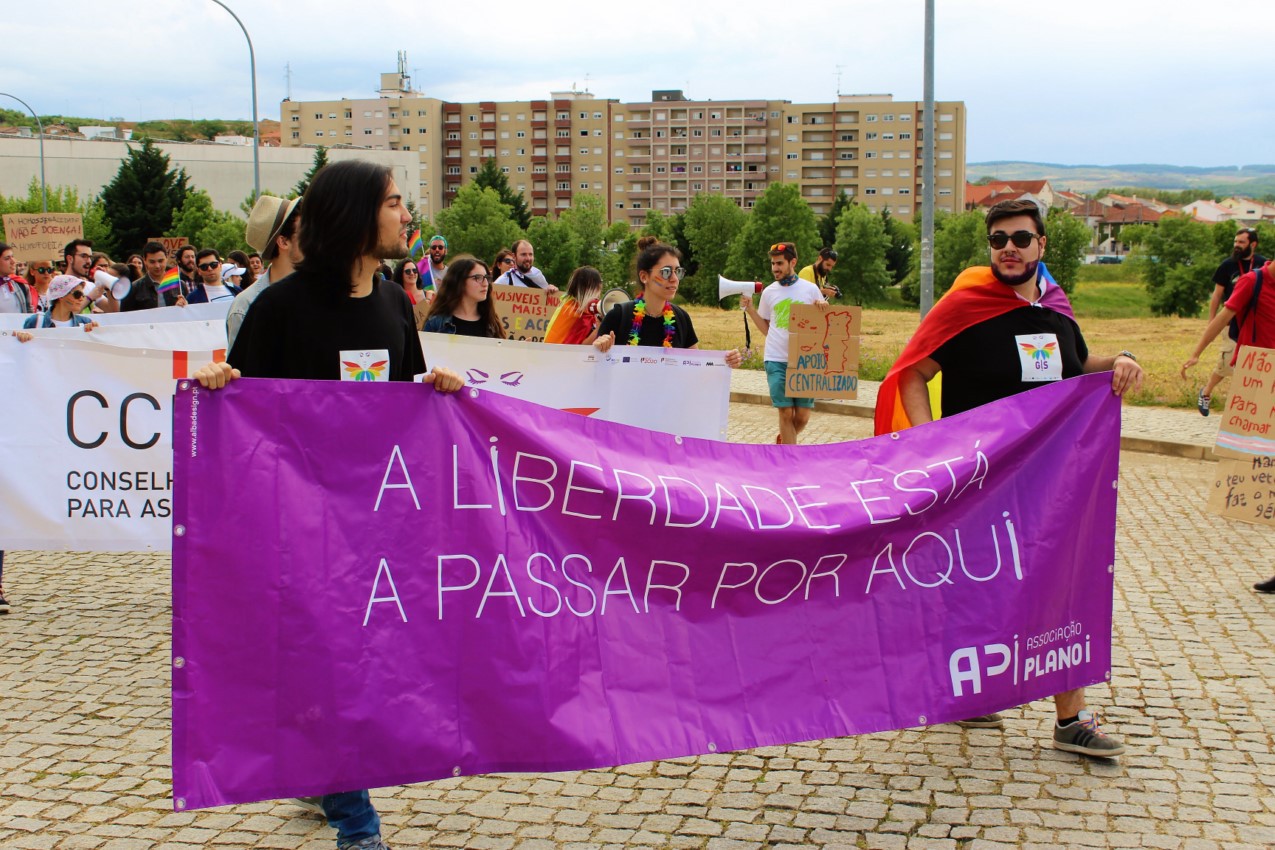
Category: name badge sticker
[1040,357]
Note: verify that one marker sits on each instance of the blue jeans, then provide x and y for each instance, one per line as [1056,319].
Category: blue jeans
[352,814]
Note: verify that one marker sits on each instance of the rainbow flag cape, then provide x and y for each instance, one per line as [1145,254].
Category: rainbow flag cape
[415,244]
[569,324]
[975,297]
[170,281]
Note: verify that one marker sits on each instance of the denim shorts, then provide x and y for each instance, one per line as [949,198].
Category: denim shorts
[777,378]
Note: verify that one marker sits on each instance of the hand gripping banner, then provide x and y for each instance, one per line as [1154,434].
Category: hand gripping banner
[507,587]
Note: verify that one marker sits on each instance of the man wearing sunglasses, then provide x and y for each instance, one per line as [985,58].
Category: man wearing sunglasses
[211,286]
[434,266]
[1000,330]
[771,318]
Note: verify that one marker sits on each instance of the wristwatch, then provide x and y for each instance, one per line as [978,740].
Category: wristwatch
[1128,354]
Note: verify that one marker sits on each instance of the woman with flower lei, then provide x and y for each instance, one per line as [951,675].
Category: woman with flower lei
[653,319]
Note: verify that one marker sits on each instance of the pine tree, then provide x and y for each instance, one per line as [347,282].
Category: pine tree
[828,223]
[320,160]
[491,177]
[142,197]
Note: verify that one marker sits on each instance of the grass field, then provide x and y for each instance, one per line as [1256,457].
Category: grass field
[1113,316]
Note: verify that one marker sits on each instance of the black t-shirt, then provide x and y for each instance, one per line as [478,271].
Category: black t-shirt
[988,361]
[145,295]
[295,329]
[1226,275]
[620,320]
[471,327]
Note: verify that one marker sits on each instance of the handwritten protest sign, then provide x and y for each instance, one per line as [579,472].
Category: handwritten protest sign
[1245,484]
[823,351]
[41,236]
[524,311]
[171,244]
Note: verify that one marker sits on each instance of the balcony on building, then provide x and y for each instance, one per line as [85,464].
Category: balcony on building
[452,159]
[560,158]
[562,123]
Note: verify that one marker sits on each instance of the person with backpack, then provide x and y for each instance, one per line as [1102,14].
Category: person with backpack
[1253,304]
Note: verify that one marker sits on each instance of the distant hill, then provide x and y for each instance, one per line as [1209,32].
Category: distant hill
[1254,180]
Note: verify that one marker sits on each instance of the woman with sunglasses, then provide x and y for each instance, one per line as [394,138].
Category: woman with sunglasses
[408,276]
[461,305]
[653,319]
[40,274]
[66,299]
[504,262]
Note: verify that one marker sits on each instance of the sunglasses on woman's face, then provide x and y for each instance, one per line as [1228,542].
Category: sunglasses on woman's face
[43,269]
[410,271]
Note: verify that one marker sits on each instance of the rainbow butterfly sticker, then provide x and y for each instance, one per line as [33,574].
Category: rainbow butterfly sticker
[1040,353]
[358,372]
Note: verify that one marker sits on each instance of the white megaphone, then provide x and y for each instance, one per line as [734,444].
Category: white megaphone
[119,287]
[727,288]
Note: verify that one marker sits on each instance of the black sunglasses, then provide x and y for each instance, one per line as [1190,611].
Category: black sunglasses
[1020,238]
[209,266]
[43,269]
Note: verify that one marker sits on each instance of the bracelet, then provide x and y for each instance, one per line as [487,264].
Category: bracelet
[1128,354]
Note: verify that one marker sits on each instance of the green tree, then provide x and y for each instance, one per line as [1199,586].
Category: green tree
[1223,233]
[207,227]
[558,249]
[587,219]
[861,243]
[829,221]
[780,215]
[320,160]
[712,222]
[143,196]
[491,177]
[659,225]
[1176,258]
[898,257]
[1068,240]
[960,241]
[477,223]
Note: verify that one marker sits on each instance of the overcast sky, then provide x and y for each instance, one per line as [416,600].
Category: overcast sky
[1069,81]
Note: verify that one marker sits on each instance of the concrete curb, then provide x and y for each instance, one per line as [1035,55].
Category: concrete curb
[1128,443]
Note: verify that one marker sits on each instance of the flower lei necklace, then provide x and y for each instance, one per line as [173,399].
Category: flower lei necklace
[639,313]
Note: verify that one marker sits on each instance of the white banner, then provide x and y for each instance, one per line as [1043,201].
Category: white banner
[214,312]
[86,433]
[633,385]
[85,444]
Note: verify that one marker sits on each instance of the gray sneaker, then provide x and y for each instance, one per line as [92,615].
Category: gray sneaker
[314,805]
[372,842]
[1083,736]
[983,721]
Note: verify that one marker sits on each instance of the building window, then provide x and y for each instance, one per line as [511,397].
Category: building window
[296,134]
[473,169]
[871,119]
[869,136]
[564,134]
[473,136]
[790,156]
[367,132]
[869,191]
[521,134]
[564,186]
[697,169]
[584,151]
[296,119]
[597,116]
[318,116]
[905,191]
[903,137]
[870,155]
[584,133]
[946,116]
[453,169]
[889,136]
[584,185]
[905,117]
[887,117]
[473,118]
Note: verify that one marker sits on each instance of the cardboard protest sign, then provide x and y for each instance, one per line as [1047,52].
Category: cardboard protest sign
[1249,418]
[524,312]
[41,236]
[171,244]
[823,351]
[1245,484]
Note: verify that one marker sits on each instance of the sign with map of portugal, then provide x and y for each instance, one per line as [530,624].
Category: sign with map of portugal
[41,236]
[823,351]
[1245,485]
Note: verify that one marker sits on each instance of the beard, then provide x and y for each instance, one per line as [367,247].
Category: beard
[1242,253]
[393,251]
[1028,273]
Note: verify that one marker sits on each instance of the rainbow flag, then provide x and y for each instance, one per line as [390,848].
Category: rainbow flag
[170,281]
[415,244]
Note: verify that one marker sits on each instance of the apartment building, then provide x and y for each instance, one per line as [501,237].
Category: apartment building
[651,155]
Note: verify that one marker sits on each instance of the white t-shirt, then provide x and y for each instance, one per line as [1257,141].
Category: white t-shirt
[217,293]
[513,277]
[10,301]
[776,306]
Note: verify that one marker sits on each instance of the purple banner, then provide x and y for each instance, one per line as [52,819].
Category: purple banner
[374,584]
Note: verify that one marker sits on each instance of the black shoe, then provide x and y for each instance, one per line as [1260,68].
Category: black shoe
[1267,586]
[1202,402]
[4,603]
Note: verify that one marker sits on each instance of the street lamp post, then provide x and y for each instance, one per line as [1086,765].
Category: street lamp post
[927,168]
[256,131]
[44,194]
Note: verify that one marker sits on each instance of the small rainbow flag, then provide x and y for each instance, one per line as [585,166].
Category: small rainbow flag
[415,244]
[170,281]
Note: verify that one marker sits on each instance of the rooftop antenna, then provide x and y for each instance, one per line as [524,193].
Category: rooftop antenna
[839,67]
[287,76]
[587,77]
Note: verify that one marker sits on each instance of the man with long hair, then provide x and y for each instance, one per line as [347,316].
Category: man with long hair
[332,310]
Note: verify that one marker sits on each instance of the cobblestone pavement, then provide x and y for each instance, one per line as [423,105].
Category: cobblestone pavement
[84,727]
